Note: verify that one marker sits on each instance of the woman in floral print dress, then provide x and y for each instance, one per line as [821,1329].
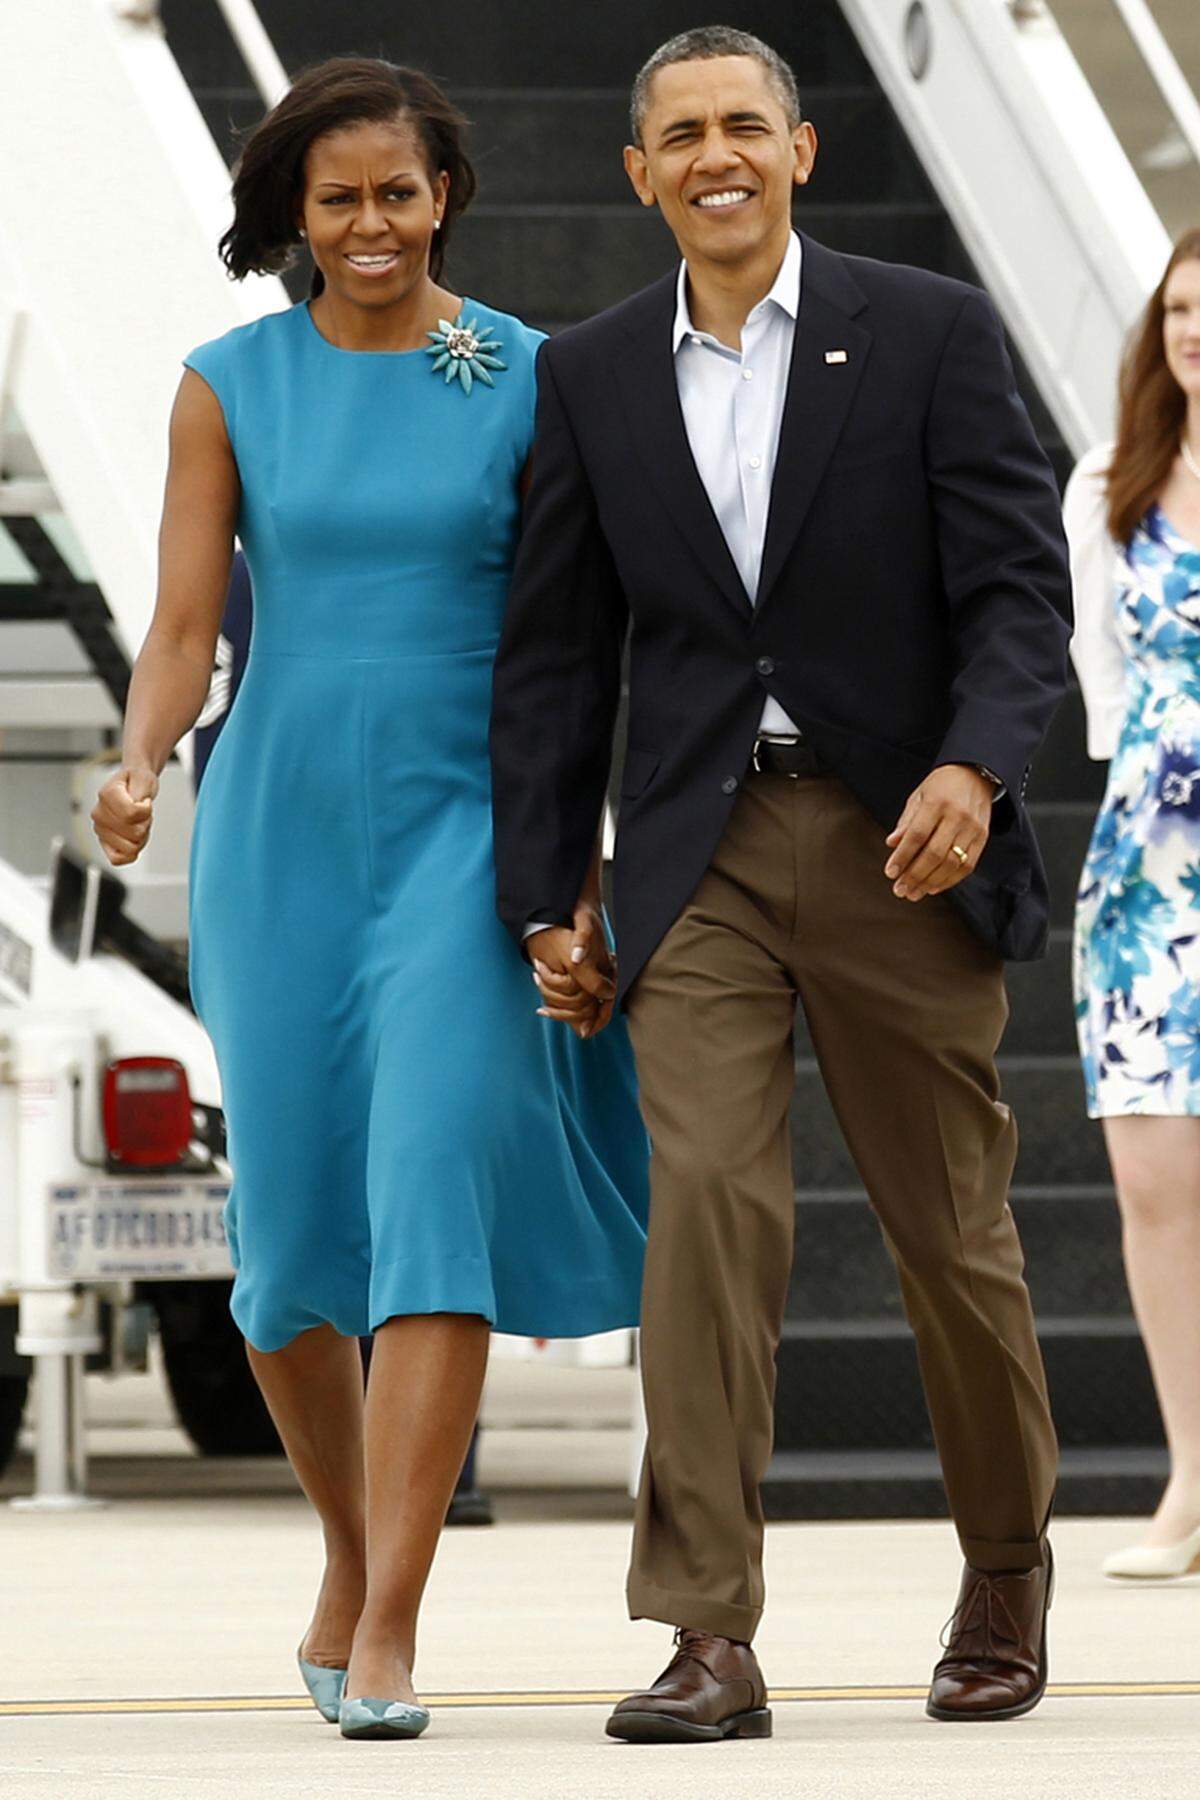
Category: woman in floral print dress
[1133,519]
[1137,945]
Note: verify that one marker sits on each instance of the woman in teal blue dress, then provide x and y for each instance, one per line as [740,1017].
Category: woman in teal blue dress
[416,1153]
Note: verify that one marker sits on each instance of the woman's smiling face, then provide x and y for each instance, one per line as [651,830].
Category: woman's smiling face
[370,209]
[1181,325]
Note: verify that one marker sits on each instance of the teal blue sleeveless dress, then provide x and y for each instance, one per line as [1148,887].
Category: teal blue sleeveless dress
[406,1135]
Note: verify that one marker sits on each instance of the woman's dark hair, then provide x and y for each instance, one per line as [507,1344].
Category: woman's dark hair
[268,180]
[1152,410]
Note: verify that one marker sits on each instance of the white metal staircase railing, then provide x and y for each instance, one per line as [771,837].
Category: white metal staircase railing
[1034,177]
[112,197]
[258,52]
[1164,70]
[1142,59]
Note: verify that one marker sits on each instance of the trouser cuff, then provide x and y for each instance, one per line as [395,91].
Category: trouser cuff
[692,1612]
[999,1558]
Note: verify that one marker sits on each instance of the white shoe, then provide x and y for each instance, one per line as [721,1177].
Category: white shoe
[1141,1563]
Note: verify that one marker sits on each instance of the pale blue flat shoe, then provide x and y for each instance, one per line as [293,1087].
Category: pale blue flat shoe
[381,1719]
[326,1687]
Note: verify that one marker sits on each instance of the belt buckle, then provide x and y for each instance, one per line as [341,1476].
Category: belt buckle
[780,742]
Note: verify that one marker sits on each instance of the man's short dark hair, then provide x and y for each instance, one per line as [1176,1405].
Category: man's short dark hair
[700,45]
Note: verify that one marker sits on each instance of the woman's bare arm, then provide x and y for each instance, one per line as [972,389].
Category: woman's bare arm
[195,548]
[174,668]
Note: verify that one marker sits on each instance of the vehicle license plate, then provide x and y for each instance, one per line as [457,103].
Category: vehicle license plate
[112,1230]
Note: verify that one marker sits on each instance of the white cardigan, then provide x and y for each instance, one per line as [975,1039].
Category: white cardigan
[1098,569]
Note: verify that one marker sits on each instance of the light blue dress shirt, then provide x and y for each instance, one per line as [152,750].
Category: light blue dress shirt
[732,405]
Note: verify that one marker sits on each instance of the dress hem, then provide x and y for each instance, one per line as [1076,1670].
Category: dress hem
[598,1317]
[1145,1112]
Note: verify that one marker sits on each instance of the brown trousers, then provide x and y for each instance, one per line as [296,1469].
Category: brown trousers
[906,1009]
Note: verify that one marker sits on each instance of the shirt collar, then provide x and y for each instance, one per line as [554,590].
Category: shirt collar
[785,292]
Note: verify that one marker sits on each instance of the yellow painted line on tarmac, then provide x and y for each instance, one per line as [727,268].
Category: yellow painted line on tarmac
[1062,1690]
[81,1708]
[1091,1690]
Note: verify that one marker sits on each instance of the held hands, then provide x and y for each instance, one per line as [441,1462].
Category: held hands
[951,809]
[950,812]
[575,972]
[123,813]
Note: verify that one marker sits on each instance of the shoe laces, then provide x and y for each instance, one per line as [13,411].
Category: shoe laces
[690,1645]
[987,1612]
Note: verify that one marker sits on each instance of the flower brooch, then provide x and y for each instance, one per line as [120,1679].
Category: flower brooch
[465,352]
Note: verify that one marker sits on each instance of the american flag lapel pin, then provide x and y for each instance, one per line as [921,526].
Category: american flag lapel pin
[836,356]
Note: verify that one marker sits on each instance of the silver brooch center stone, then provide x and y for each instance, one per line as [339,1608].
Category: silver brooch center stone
[461,343]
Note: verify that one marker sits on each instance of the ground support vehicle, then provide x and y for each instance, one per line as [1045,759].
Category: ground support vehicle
[112,1179]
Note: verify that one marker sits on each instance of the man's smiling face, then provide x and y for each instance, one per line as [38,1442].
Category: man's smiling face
[720,158]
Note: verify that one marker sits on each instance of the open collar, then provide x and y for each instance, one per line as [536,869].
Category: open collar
[819,395]
[784,293]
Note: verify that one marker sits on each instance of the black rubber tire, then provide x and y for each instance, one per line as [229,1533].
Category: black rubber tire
[215,1393]
[14,1387]
[13,1392]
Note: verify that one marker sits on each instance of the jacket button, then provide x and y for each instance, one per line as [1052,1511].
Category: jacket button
[765,665]
[729,785]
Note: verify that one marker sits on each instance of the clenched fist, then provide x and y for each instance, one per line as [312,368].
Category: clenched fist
[123,814]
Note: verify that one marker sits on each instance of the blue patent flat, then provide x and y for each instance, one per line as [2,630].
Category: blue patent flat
[381,1719]
[325,1686]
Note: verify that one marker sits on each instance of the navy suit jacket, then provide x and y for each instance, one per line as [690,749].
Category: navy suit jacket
[913,608]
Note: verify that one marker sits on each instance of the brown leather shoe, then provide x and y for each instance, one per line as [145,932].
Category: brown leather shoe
[712,1688]
[995,1665]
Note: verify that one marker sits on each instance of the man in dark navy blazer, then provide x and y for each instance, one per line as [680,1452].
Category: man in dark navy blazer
[806,485]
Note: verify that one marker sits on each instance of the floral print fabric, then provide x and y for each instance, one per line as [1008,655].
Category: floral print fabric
[1137,921]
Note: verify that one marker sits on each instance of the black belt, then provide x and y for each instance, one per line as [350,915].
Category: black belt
[792,756]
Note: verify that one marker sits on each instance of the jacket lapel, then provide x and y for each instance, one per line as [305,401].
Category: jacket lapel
[818,401]
[651,395]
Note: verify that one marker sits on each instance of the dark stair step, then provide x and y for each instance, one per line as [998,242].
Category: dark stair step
[907,1484]
[1063,770]
[1064,830]
[1058,1141]
[1071,1238]
[539,43]
[1042,1020]
[568,262]
[854,1385]
[537,145]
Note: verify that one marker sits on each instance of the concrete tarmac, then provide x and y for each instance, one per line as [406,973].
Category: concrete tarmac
[146,1648]
[158,1637]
